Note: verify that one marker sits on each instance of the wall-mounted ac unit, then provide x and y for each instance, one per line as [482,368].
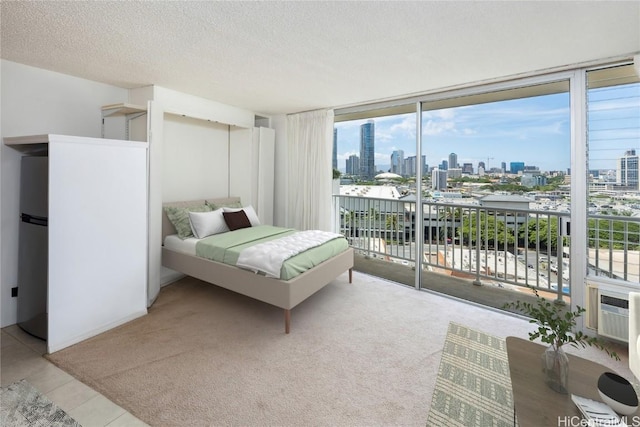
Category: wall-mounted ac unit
[613,314]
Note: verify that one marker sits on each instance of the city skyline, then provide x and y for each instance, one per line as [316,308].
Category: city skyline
[534,130]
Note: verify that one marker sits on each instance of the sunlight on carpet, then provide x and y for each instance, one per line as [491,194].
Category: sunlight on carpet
[473,387]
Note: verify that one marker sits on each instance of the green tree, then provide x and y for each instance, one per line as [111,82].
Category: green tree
[605,233]
[392,224]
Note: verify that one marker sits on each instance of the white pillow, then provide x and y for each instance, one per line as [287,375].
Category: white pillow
[249,211]
[205,224]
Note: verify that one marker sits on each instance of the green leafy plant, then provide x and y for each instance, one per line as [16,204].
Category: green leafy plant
[556,325]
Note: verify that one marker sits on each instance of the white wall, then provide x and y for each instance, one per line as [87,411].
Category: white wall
[195,159]
[36,101]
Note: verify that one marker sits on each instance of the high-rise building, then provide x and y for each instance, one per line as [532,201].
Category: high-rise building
[453,161]
[397,162]
[353,165]
[532,180]
[503,166]
[367,150]
[438,179]
[454,173]
[334,157]
[481,165]
[467,168]
[410,167]
[516,167]
[444,165]
[627,172]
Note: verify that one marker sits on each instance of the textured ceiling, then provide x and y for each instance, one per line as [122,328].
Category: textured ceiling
[282,57]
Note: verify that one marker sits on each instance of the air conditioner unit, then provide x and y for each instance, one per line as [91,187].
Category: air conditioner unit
[613,314]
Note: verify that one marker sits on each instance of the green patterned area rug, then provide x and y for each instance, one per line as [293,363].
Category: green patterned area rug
[473,387]
[21,405]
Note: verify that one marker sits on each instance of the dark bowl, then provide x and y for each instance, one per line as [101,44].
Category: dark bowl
[618,393]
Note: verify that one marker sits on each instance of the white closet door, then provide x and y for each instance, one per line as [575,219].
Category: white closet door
[97,236]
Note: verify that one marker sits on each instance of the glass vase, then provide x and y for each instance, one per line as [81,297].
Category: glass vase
[555,365]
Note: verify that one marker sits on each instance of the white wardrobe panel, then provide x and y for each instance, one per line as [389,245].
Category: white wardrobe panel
[264,144]
[97,236]
[155,126]
[195,159]
[242,164]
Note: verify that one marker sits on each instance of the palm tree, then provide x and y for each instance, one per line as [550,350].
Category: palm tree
[392,223]
[349,218]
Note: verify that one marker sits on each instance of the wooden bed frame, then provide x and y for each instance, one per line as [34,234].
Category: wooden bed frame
[285,294]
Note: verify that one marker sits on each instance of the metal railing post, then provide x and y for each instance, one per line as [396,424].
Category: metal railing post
[477,281]
[560,262]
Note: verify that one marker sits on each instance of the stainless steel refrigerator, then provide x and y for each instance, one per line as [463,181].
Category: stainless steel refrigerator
[33,245]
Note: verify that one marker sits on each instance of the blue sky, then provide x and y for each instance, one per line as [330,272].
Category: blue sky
[535,131]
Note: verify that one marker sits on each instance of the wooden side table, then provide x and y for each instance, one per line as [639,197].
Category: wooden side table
[537,405]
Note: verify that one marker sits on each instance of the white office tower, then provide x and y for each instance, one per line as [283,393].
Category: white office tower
[439,179]
[628,170]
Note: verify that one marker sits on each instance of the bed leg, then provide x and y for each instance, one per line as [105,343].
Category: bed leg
[287,320]
[351,275]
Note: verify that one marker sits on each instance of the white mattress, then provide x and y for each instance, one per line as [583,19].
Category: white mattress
[186,246]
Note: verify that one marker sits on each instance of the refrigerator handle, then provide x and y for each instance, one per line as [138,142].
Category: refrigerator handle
[32,219]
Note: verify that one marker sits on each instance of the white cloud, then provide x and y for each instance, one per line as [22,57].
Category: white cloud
[436,128]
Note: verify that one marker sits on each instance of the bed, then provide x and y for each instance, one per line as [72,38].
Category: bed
[283,293]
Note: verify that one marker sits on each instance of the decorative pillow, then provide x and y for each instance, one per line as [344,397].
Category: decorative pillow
[218,205]
[205,224]
[251,214]
[236,220]
[179,217]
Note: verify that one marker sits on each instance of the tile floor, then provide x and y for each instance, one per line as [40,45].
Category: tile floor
[21,358]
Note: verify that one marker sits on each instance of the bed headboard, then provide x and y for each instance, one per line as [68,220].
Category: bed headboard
[168,228]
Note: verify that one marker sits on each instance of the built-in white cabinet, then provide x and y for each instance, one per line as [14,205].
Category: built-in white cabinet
[97,233]
[202,149]
[252,168]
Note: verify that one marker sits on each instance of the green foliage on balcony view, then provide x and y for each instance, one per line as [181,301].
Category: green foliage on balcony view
[543,233]
[510,188]
[495,232]
[604,233]
[465,179]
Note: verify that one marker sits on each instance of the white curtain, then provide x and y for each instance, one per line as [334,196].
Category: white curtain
[309,147]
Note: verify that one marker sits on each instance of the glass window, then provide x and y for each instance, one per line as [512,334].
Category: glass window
[613,135]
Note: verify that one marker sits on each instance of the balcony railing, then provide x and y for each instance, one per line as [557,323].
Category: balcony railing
[490,245]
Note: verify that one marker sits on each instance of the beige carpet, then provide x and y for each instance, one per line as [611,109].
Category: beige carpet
[361,354]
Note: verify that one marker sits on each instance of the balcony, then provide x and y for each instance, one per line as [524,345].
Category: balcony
[484,254]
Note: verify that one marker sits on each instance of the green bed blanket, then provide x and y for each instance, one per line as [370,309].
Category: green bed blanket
[226,248]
